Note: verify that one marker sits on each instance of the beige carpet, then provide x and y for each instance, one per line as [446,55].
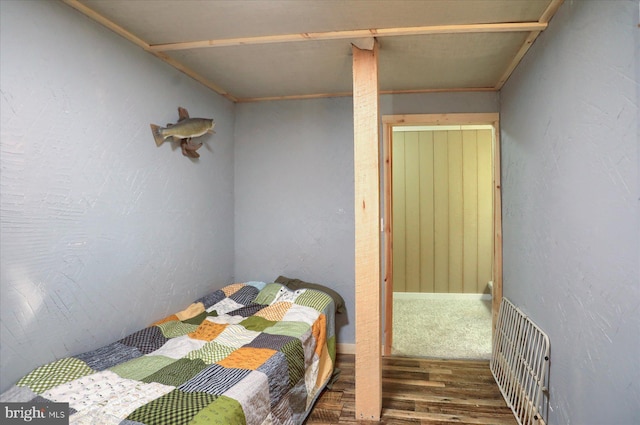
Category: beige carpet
[442,328]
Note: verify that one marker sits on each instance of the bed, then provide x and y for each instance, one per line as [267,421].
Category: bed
[249,353]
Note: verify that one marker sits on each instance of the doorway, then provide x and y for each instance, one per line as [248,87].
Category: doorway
[446,233]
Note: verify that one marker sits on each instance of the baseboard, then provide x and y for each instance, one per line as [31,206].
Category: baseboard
[439,296]
[345,348]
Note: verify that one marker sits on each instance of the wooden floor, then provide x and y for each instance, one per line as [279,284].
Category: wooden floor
[419,391]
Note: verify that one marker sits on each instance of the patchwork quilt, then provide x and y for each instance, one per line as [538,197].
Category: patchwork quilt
[249,353]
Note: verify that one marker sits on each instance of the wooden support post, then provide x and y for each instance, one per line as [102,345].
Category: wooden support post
[366,121]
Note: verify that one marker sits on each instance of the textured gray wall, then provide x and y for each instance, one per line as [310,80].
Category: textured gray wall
[294,187]
[101,231]
[294,194]
[570,206]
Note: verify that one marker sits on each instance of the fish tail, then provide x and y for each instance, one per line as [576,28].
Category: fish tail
[157,134]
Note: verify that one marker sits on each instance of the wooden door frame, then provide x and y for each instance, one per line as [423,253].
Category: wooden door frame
[390,121]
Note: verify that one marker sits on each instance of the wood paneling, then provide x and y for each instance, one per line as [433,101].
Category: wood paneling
[442,210]
[427,216]
[456,212]
[485,207]
[399,219]
[470,207]
[419,391]
[412,211]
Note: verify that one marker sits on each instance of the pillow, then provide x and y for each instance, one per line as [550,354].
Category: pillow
[299,284]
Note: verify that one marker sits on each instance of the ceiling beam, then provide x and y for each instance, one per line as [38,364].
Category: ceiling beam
[349,94]
[107,23]
[351,34]
[528,42]
[76,4]
[516,59]
[550,11]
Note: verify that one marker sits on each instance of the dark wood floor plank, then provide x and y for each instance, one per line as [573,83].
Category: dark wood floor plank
[419,392]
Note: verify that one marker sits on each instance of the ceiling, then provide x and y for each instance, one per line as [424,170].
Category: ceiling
[251,50]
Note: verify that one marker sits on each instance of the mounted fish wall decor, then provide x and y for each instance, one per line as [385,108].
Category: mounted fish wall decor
[183,131]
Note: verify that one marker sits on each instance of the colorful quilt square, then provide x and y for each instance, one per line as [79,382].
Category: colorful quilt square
[282,412]
[301,313]
[275,342]
[141,367]
[294,329]
[245,295]
[268,294]
[178,347]
[191,311]
[116,396]
[175,328]
[214,379]
[274,369]
[208,331]
[247,311]
[232,289]
[275,311]
[225,319]
[256,323]
[223,411]
[175,408]
[55,373]
[225,306]
[319,331]
[247,358]
[298,400]
[236,336]
[294,354]
[176,373]
[314,299]
[109,355]
[212,298]
[211,352]
[146,340]
[197,320]
[252,393]
[166,319]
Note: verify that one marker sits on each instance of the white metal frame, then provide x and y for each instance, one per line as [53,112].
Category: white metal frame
[520,364]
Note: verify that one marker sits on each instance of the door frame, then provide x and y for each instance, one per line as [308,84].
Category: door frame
[390,121]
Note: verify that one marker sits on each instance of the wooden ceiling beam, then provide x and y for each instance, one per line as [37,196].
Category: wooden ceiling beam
[528,42]
[353,34]
[550,11]
[516,59]
[76,4]
[349,94]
